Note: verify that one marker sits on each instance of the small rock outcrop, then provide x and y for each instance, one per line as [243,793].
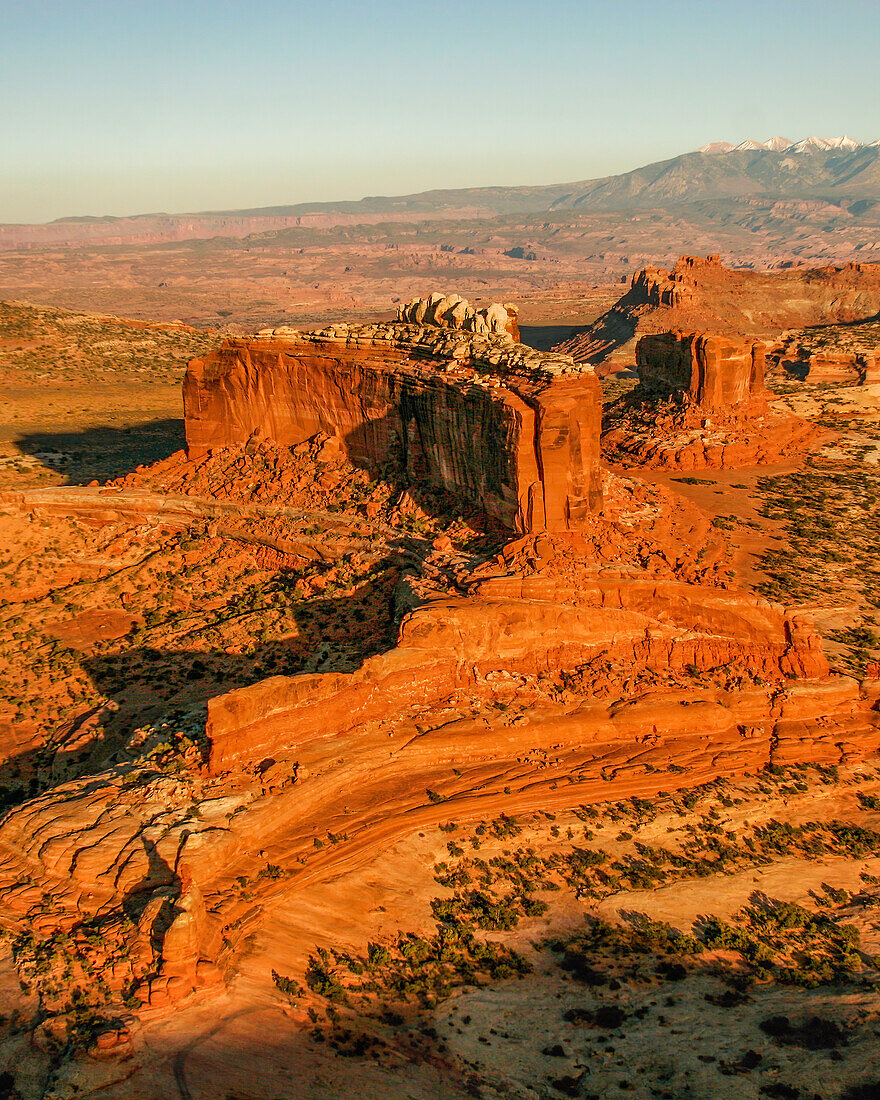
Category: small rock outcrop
[717,373]
[512,430]
[836,367]
[701,403]
[453,311]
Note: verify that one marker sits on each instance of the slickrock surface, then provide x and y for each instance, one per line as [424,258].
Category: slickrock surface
[700,293]
[582,649]
[511,429]
[547,675]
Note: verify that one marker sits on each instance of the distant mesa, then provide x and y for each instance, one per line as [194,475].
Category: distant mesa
[701,294]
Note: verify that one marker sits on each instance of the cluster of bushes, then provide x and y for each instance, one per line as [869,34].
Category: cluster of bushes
[832,531]
[421,969]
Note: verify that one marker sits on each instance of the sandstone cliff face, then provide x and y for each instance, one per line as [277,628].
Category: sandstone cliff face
[513,430]
[717,373]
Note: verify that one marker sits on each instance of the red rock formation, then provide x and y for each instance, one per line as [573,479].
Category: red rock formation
[515,627]
[701,294]
[717,373]
[511,429]
[835,367]
[609,662]
[701,404]
[678,287]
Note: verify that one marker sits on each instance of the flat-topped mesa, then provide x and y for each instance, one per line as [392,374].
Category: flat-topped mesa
[453,311]
[510,429]
[713,373]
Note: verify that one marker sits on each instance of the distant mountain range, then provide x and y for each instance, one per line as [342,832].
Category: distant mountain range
[837,171]
[785,145]
[832,169]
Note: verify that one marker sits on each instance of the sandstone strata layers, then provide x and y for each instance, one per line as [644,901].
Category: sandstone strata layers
[512,629]
[513,430]
[716,373]
[613,661]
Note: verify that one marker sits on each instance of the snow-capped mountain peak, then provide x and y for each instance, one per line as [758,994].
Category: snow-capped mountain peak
[716,147]
[785,145]
[817,144]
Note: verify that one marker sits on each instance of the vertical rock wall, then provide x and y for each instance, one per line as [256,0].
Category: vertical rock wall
[718,373]
[510,429]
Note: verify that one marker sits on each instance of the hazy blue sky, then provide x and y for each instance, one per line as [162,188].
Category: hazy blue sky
[124,106]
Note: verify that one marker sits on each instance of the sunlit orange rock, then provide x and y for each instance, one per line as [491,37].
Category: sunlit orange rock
[716,373]
[510,429]
[702,403]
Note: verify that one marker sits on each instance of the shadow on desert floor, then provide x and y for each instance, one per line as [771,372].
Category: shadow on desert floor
[103,453]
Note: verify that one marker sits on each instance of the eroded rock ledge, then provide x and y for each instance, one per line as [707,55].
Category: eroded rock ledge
[511,429]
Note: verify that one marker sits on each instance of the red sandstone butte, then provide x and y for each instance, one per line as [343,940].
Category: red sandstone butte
[702,404]
[717,373]
[511,429]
